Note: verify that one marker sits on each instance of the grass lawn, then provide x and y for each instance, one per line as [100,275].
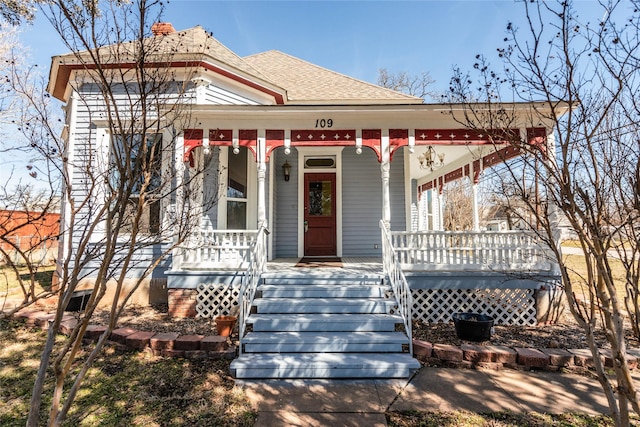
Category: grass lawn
[10,286]
[132,389]
[578,268]
[136,389]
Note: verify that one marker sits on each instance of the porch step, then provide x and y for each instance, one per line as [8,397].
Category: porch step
[320,278]
[324,365]
[324,342]
[324,291]
[318,322]
[324,305]
[310,326]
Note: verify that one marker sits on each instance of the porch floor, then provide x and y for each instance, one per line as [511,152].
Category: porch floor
[350,266]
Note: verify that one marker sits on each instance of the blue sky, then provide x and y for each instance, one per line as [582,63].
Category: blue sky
[355,38]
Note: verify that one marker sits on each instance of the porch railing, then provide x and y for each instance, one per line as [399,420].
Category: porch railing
[393,273]
[470,250]
[256,261]
[207,248]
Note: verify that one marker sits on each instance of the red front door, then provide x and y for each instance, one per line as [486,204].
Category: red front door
[320,214]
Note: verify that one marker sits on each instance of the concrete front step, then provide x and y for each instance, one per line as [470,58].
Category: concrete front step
[323,305]
[324,365]
[323,322]
[324,342]
[324,291]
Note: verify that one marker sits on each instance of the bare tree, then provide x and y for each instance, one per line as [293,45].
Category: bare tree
[416,85]
[458,204]
[30,187]
[17,11]
[583,81]
[128,200]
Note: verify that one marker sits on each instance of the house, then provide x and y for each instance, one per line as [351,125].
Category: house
[319,166]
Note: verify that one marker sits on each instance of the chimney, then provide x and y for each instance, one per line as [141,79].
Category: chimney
[162,28]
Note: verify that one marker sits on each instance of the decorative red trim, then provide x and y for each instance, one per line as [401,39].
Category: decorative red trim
[467,170]
[222,137]
[426,186]
[246,137]
[64,73]
[476,171]
[397,139]
[500,156]
[463,136]
[192,139]
[453,175]
[323,137]
[274,139]
[537,137]
[372,138]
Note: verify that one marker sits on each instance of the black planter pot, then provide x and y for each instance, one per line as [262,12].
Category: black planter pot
[473,326]
[79,300]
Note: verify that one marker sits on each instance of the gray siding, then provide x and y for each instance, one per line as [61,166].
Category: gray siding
[286,206]
[89,108]
[362,201]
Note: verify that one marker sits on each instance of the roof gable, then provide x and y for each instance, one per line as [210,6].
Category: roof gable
[287,79]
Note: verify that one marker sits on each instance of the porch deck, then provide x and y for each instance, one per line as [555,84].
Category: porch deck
[366,266]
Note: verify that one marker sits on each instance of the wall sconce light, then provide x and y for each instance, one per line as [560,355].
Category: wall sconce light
[286,170]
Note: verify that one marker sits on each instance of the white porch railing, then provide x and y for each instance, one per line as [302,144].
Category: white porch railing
[393,273]
[207,248]
[470,250]
[256,261]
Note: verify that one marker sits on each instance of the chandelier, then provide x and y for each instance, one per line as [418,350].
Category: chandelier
[431,160]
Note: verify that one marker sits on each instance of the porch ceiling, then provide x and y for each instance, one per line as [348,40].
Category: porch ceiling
[455,157]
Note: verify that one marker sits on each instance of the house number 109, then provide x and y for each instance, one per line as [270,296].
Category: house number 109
[324,123]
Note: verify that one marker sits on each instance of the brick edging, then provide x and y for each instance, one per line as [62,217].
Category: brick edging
[172,344]
[499,357]
[166,344]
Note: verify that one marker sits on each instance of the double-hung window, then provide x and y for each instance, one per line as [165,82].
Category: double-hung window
[135,167]
[237,191]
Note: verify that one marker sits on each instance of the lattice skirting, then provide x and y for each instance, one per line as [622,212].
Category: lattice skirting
[216,300]
[506,306]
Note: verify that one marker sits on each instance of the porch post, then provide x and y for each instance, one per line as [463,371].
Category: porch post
[384,168]
[262,173]
[474,192]
[178,153]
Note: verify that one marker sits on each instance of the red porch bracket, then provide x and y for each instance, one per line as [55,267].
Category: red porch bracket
[372,138]
[397,138]
[192,139]
[274,139]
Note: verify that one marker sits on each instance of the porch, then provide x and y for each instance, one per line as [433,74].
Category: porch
[500,273]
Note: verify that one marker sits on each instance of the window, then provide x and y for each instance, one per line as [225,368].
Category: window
[134,161]
[237,190]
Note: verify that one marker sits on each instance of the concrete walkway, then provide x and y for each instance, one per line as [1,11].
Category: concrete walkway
[364,402]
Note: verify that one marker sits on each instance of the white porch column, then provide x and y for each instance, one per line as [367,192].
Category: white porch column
[440,206]
[385,167]
[178,208]
[474,195]
[262,175]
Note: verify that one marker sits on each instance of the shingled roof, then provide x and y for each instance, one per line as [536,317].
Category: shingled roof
[308,83]
[303,82]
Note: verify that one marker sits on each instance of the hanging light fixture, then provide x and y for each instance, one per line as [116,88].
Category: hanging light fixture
[431,160]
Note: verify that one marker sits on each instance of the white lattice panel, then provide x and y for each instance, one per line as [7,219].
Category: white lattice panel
[506,306]
[216,300]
